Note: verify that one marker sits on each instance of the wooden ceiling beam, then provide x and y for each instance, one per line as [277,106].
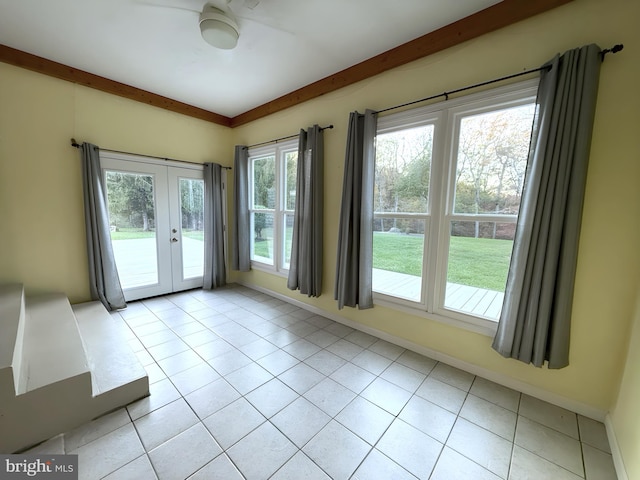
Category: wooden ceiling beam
[485,21]
[64,72]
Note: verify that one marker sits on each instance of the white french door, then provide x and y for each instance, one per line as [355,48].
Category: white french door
[156,213]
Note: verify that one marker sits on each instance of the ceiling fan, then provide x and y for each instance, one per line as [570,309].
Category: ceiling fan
[218,25]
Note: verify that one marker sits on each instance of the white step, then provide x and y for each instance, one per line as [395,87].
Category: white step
[66,380]
[53,349]
[111,360]
[11,333]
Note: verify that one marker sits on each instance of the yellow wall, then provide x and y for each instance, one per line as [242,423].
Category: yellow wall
[609,255]
[624,415]
[41,212]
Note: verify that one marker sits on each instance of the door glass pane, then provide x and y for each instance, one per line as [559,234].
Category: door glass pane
[403,170]
[479,257]
[130,200]
[398,246]
[192,223]
[262,245]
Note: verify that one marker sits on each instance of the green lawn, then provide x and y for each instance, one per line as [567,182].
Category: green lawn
[131,233]
[477,262]
[134,233]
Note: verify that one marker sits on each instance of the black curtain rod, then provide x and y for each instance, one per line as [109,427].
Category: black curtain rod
[78,145]
[614,49]
[276,140]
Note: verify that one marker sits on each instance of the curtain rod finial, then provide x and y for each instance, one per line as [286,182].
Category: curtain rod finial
[74,143]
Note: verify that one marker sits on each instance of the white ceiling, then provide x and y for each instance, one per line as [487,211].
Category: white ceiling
[156,45]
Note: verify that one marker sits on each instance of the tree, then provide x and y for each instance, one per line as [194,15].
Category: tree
[192,203]
[130,197]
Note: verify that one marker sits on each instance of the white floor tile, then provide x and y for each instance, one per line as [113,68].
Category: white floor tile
[487,449]
[452,376]
[161,394]
[248,378]
[593,433]
[325,362]
[379,466]
[410,448]
[271,397]
[490,416]
[386,395]
[164,423]
[180,362]
[194,378]
[403,376]
[204,420]
[387,349]
[300,467]
[184,454]
[417,362]
[219,469]
[598,464]
[365,419]
[337,450]
[371,361]
[429,418]
[108,453]
[330,396]
[442,394]
[300,421]
[278,362]
[233,422]
[353,377]
[345,349]
[212,397]
[261,453]
[136,470]
[528,466]
[549,415]
[301,378]
[453,466]
[550,444]
[494,393]
[96,429]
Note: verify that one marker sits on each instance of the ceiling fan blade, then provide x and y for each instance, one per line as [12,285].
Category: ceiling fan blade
[251,4]
[239,4]
[145,3]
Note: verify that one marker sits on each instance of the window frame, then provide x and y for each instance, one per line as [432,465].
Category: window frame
[446,117]
[279,151]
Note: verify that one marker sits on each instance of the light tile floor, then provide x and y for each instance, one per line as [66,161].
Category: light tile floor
[244,385]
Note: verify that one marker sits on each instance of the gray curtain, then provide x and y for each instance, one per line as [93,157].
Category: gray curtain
[355,241]
[104,282]
[241,242]
[305,270]
[535,321]
[215,273]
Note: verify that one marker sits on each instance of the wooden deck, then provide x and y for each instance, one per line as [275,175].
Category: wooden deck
[471,300]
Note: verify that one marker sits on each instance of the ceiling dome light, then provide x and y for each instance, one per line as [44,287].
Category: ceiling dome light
[218,29]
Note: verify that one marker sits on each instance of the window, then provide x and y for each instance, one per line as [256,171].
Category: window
[272,180]
[448,184]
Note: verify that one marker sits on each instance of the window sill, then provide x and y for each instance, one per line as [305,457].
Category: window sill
[448,317]
[264,267]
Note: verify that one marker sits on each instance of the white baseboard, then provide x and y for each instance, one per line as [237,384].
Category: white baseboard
[618,462]
[569,404]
